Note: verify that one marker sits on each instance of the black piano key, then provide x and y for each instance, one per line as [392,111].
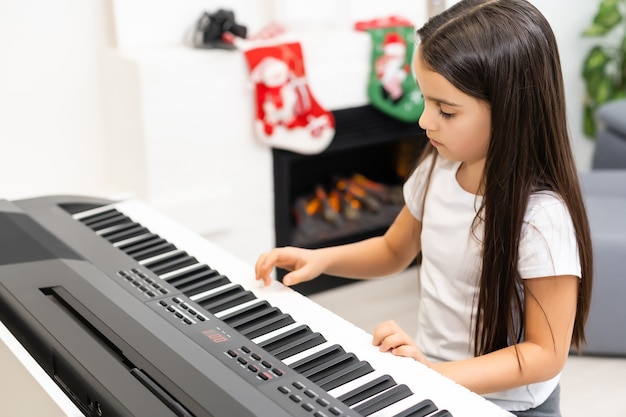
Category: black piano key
[267,326]
[253,319]
[154,250]
[383,400]
[141,243]
[95,218]
[442,413]
[300,345]
[367,390]
[111,229]
[131,231]
[227,298]
[246,313]
[421,409]
[180,276]
[171,263]
[165,259]
[220,293]
[317,358]
[197,280]
[345,375]
[250,315]
[203,284]
[331,366]
[109,221]
[285,338]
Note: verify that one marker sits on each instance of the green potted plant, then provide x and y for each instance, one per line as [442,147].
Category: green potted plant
[604,67]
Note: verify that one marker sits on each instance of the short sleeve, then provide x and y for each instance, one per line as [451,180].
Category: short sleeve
[548,244]
[414,187]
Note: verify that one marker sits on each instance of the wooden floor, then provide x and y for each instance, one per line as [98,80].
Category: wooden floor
[590,386]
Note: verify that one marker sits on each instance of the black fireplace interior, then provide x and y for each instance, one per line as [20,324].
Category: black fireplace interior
[366,142]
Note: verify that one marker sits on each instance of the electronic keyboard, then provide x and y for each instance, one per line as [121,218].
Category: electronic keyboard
[133,315]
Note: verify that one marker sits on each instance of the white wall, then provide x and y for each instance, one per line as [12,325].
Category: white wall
[568,20]
[52,127]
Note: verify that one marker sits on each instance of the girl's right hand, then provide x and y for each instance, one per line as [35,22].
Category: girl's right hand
[304,264]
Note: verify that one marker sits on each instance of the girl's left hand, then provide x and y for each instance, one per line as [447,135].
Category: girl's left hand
[390,337]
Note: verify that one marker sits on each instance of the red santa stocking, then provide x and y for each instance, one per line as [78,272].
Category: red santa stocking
[287,115]
[391,87]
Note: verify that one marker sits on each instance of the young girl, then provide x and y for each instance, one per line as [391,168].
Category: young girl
[495,208]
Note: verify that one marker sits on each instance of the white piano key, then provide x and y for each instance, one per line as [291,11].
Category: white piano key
[110,229]
[238,307]
[356,383]
[160,256]
[311,351]
[93,212]
[203,294]
[182,270]
[277,332]
[129,240]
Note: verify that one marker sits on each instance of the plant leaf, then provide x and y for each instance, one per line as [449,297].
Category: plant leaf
[595,61]
[593,84]
[605,90]
[589,122]
[607,17]
[595,31]
[609,14]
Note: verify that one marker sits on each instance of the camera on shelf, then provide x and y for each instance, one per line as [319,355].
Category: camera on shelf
[217,30]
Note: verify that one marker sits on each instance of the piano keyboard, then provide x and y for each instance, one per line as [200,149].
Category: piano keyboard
[330,354]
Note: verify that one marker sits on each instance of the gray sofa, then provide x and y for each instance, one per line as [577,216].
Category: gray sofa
[604,190]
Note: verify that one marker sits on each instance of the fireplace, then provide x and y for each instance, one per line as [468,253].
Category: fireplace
[367,142]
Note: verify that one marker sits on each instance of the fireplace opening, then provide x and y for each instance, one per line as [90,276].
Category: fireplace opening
[370,152]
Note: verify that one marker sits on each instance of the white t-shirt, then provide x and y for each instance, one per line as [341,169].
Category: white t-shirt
[451,261]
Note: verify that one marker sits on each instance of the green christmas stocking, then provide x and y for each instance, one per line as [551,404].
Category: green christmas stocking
[391,87]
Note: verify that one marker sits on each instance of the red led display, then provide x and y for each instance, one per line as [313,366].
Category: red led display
[215,336]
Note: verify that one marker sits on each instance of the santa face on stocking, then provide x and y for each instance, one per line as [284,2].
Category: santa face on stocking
[287,116]
[278,92]
[390,87]
[390,66]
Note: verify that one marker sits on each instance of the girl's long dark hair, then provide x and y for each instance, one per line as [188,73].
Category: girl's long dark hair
[504,53]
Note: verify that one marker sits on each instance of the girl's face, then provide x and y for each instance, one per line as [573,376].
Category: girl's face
[457,124]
